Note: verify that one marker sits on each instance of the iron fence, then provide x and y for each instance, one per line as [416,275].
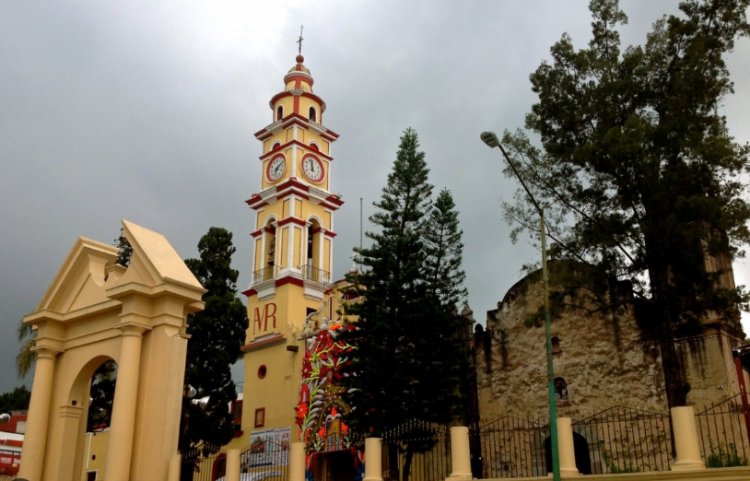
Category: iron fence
[416,451]
[258,462]
[509,447]
[199,465]
[723,435]
[623,440]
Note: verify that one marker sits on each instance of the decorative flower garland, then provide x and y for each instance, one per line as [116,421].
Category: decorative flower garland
[321,409]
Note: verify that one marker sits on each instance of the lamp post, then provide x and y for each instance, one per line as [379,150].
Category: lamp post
[492,141]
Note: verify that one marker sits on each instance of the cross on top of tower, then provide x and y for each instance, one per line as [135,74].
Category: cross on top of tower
[299,40]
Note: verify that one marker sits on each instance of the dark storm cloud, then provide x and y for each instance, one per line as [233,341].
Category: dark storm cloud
[146,111]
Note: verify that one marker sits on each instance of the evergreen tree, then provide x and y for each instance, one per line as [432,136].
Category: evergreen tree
[15,400]
[216,335]
[445,278]
[637,173]
[445,290]
[400,369]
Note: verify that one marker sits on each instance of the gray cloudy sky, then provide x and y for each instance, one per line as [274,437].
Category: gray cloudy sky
[145,110]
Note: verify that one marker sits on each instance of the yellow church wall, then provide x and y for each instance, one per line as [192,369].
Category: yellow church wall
[284,262]
[327,249]
[95,454]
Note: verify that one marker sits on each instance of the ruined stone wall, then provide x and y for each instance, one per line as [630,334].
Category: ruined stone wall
[603,358]
[709,366]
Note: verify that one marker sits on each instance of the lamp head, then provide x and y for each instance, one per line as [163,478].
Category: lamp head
[490,139]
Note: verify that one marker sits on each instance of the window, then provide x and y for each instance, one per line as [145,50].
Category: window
[262,371]
[561,389]
[312,115]
[279,113]
[556,345]
[260,417]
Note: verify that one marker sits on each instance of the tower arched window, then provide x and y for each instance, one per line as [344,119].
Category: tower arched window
[279,112]
[269,250]
[312,258]
[312,115]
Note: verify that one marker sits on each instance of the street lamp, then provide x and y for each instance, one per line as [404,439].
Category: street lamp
[492,141]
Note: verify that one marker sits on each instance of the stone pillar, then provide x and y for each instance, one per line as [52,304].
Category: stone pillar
[460,454]
[688,457]
[373,460]
[122,427]
[233,465]
[35,440]
[173,473]
[565,447]
[297,461]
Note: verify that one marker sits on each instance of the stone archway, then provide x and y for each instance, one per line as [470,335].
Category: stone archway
[96,310]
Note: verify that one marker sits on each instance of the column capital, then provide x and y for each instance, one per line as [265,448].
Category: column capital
[46,351]
[132,330]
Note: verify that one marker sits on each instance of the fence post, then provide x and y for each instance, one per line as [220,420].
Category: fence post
[173,471]
[297,461]
[565,447]
[688,457]
[373,459]
[233,465]
[460,454]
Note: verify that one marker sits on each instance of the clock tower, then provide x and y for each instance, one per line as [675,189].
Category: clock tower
[293,248]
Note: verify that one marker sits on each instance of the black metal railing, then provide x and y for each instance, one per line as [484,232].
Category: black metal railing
[623,440]
[266,460]
[205,463]
[722,433]
[416,451]
[315,274]
[510,448]
[262,275]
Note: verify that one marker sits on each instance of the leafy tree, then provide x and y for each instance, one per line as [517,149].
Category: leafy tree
[102,394]
[15,400]
[124,250]
[25,357]
[637,172]
[216,335]
[402,348]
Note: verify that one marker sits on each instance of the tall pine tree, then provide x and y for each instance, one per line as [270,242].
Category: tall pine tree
[401,369]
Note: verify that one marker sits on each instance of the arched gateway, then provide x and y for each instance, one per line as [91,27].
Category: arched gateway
[95,311]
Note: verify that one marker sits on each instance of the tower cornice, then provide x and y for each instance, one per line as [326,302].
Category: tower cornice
[293,186]
[279,150]
[296,119]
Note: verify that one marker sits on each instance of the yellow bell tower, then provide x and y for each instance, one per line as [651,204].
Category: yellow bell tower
[293,238]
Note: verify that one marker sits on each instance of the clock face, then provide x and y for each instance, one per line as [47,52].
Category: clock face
[276,168]
[313,168]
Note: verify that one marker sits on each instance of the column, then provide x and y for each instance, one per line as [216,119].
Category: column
[373,460]
[233,465]
[460,454]
[297,461]
[35,440]
[122,427]
[688,457]
[173,473]
[565,447]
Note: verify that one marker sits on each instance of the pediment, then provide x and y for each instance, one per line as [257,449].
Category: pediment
[154,260]
[80,281]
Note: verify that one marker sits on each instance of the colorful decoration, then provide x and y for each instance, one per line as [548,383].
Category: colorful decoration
[321,410]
